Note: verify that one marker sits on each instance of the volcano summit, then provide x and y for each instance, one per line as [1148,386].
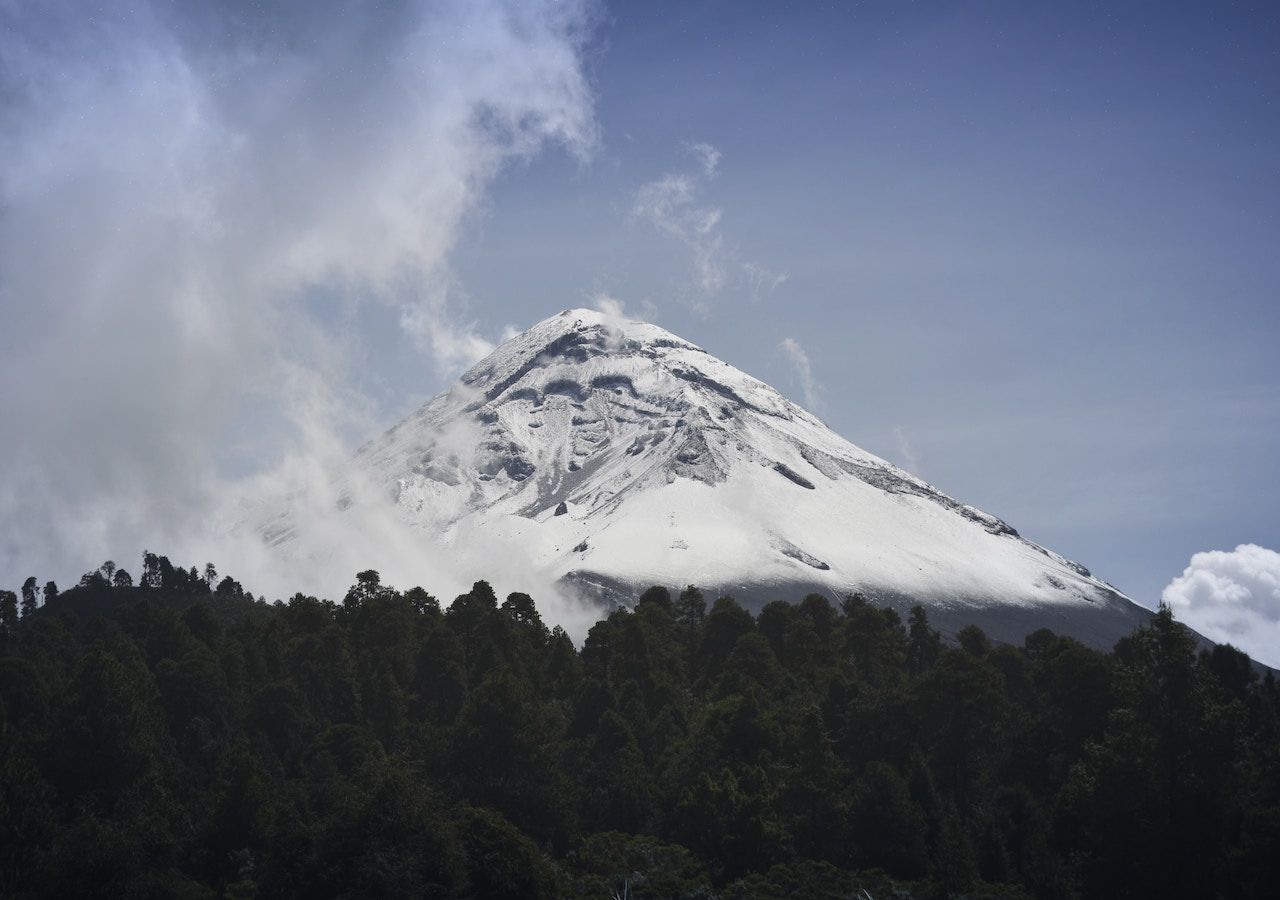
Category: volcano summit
[622,456]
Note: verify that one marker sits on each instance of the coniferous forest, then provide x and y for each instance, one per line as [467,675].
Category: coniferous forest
[180,738]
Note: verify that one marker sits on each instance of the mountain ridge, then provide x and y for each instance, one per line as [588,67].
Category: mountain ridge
[620,455]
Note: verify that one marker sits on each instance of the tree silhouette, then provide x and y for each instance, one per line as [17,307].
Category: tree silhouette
[165,742]
[30,598]
[8,616]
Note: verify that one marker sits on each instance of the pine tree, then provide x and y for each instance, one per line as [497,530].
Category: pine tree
[150,570]
[8,615]
[29,599]
[691,608]
[924,645]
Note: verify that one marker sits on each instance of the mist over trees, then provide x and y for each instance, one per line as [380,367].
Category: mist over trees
[181,738]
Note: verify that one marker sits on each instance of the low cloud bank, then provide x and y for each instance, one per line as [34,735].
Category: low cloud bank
[199,206]
[1232,596]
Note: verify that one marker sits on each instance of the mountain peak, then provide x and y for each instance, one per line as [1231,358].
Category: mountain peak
[585,319]
[591,316]
[576,334]
[584,353]
[620,455]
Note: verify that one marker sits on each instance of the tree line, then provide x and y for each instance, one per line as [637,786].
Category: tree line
[180,738]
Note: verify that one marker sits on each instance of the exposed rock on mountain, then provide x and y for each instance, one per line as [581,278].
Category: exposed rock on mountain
[622,456]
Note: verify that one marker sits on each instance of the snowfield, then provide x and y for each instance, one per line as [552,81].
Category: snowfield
[620,456]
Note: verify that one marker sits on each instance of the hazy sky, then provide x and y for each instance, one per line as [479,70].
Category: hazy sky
[1027,250]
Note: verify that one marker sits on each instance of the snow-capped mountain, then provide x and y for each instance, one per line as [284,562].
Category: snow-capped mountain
[619,456]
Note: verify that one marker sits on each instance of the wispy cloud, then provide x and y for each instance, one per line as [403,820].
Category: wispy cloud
[437,329]
[609,305]
[803,369]
[761,282]
[183,194]
[673,205]
[708,156]
[907,455]
[1232,596]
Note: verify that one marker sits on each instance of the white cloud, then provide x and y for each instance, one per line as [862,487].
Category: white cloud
[673,205]
[708,158]
[610,306]
[1232,596]
[669,204]
[196,203]
[341,520]
[799,360]
[762,282]
[906,451]
[452,343]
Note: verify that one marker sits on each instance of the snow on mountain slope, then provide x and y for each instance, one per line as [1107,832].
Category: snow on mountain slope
[618,456]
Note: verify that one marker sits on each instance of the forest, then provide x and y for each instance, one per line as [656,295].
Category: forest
[182,738]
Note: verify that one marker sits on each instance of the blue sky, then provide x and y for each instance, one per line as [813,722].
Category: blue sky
[1035,243]
[1026,250]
